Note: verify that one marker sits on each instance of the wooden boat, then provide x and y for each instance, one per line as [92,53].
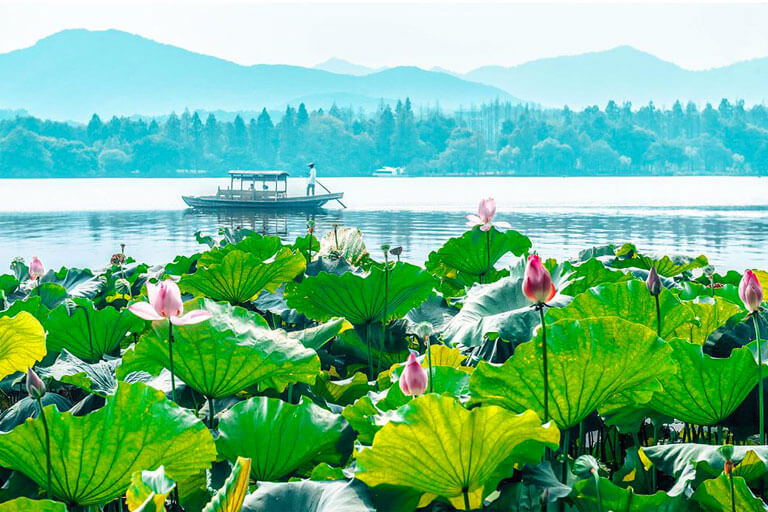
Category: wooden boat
[271,192]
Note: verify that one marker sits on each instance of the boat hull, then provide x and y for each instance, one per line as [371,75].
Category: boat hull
[288,203]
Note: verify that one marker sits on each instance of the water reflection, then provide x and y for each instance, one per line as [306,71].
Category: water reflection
[730,238]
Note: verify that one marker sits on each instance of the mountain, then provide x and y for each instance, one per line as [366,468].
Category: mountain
[74,73]
[624,74]
[344,67]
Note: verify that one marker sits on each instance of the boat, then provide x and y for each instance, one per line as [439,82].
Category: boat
[261,189]
[389,172]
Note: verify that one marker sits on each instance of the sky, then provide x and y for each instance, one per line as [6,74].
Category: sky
[454,36]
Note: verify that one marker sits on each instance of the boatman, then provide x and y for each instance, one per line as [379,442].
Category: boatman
[311,180]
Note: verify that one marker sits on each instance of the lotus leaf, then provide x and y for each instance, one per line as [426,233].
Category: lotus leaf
[87,332]
[309,496]
[709,317]
[76,282]
[345,244]
[715,496]
[341,392]
[239,276]
[589,274]
[628,300]
[231,495]
[666,266]
[318,335]
[590,361]
[22,342]
[280,437]
[148,491]
[440,449]
[705,390]
[32,305]
[94,456]
[28,505]
[361,299]
[226,354]
[618,499]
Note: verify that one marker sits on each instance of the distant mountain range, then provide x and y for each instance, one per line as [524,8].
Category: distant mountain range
[74,73]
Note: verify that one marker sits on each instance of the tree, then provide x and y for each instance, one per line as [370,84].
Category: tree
[266,147]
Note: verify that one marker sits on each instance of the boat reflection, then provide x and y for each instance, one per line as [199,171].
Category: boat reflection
[285,224]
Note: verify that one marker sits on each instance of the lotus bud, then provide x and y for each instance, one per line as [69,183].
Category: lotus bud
[653,283]
[167,301]
[36,269]
[396,251]
[728,467]
[35,385]
[537,283]
[750,292]
[413,380]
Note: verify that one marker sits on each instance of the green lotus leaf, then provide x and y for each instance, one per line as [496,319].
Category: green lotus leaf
[618,499]
[309,496]
[280,437]
[78,282]
[709,317]
[148,491]
[589,360]
[690,290]
[681,461]
[666,266]
[589,274]
[94,456]
[52,295]
[630,301]
[231,495]
[360,299]
[499,308]
[87,332]
[225,354]
[8,285]
[318,335]
[260,247]
[705,390]
[239,276]
[225,236]
[22,342]
[715,496]
[32,305]
[28,505]
[344,243]
[344,391]
[98,378]
[440,449]
[304,244]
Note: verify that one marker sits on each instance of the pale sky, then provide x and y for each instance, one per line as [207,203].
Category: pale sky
[455,36]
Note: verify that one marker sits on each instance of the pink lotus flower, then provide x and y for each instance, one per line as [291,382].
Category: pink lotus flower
[35,385]
[165,302]
[750,291]
[413,380]
[537,284]
[484,218]
[36,269]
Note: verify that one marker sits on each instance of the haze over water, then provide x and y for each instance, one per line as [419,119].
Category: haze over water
[81,222]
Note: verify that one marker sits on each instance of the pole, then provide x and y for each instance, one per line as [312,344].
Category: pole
[326,189]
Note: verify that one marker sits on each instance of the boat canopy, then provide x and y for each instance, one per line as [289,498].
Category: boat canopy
[259,175]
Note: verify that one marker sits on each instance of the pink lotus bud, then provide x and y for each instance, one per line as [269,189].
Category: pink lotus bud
[413,380]
[537,284]
[728,467]
[166,298]
[36,269]
[653,283]
[35,385]
[750,291]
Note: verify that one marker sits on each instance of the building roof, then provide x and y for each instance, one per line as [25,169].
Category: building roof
[258,174]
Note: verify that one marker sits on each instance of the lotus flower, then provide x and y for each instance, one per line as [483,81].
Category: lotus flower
[35,385]
[165,302]
[537,284]
[36,269]
[750,292]
[653,283]
[413,380]
[484,218]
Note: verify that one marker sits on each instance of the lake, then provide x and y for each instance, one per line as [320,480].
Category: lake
[81,222]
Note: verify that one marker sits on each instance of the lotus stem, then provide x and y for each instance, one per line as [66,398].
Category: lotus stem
[597,491]
[466,499]
[733,493]
[368,344]
[484,275]
[582,441]
[429,359]
[47,447]
[760,398]
[386,303]
[211,413]
[658,317]
[38,287]
[540,307]
[720,434]
[654,474]
[90,335]
[170,358]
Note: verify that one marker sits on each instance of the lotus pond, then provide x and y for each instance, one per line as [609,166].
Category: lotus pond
[281,383]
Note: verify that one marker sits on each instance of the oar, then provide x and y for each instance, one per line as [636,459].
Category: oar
[326,189]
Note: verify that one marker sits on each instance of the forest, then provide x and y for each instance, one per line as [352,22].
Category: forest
[498,138]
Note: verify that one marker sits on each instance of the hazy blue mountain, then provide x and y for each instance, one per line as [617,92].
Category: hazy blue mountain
[624,73]
[344,67]
[74,73]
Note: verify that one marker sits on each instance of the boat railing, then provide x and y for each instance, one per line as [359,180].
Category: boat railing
[249,195]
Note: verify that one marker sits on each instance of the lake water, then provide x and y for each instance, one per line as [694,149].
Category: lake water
[81,222]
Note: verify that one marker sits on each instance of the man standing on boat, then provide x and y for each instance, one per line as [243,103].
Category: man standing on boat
[312,177]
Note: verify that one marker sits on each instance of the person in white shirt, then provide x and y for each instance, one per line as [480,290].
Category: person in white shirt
[311,179]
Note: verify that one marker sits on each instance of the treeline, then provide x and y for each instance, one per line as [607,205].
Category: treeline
[498,138]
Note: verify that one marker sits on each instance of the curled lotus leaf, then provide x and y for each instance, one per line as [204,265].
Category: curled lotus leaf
[22,343]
